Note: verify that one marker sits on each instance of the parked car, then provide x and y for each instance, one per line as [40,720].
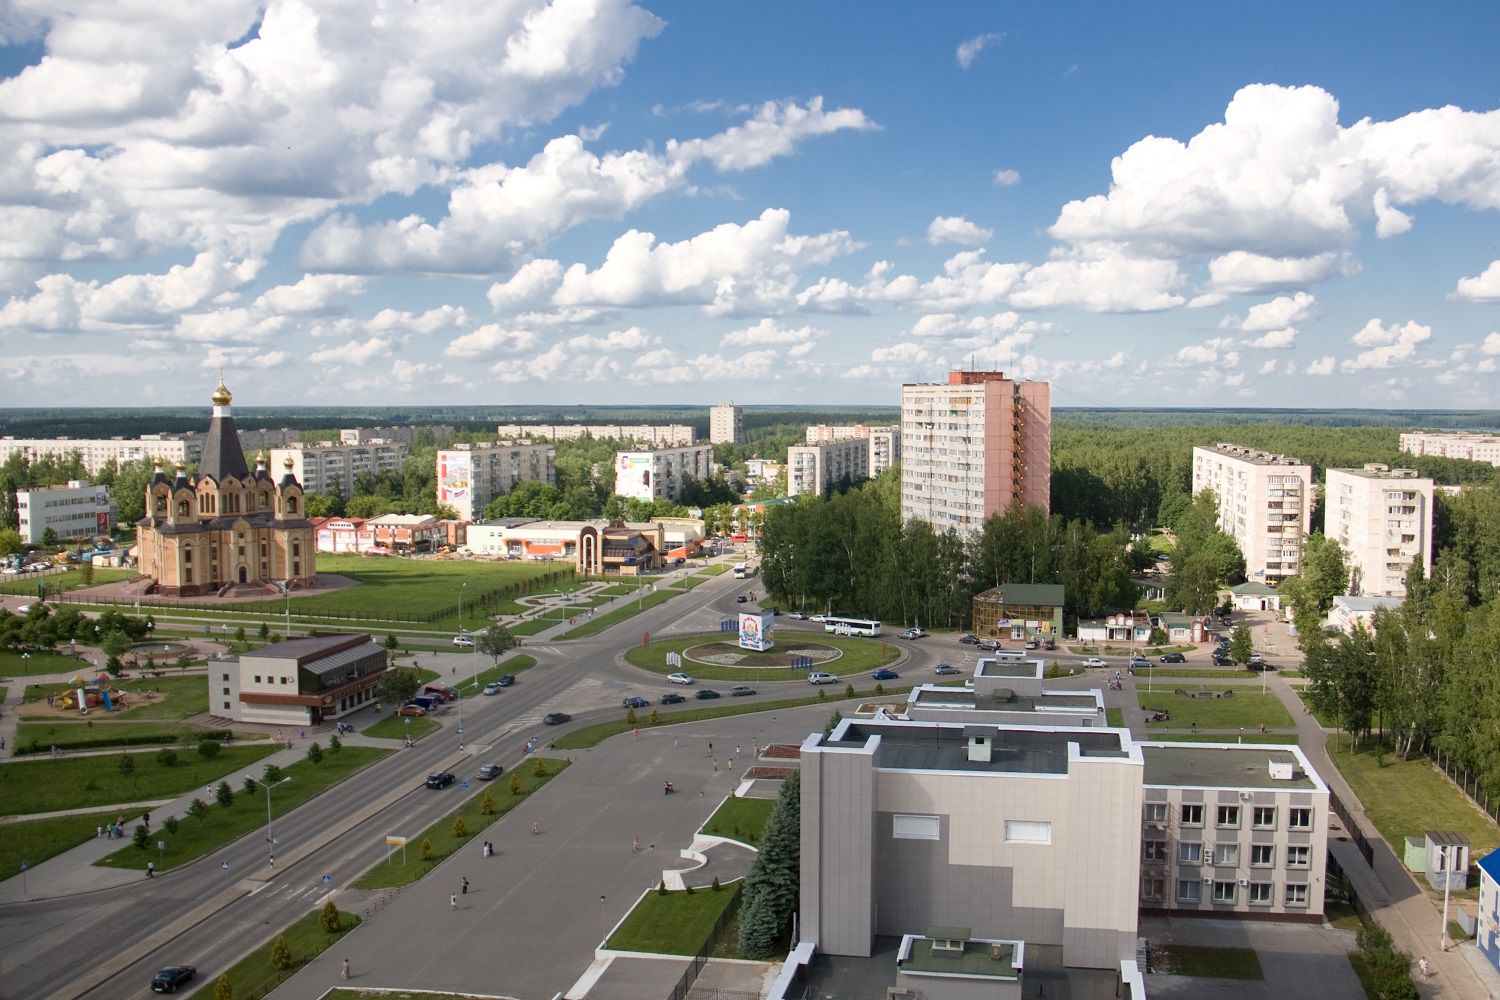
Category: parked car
[771,610]
[819,618]
[1173,658]
[679,679]
[493,687]
[556,718]
[1222,660]
[800,616]
[969,640]
[506,680]
[884,674]
[462,640]
[440,779]
[1033,644]
[415,711]
[1260,665]
[489,772]
[704,694]
[821,677]
[1139,663]
[740,690]
[1256,657]
[1049,644]
[672,698]
[913,633]
[1094,661]
[945,668]
[635,701]
[173,976]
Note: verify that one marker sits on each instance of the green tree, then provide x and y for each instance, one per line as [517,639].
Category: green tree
[398,686]
[198,809]
[514,784]
[127,764]
[426,850]
[539,768]
[172,824]
[330,920]
[271,774]
[223,988]
[487,804]
[264,631]
[630,719]
[141,838]
[166,757]
[460,829]
[281,953]
[11,543]
[315,752]
[209,749]
[494,641]
[391,642]
[224,794]
[771,888]
[1241,644]
[334,743]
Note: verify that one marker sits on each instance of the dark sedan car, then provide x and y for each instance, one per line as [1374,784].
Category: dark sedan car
[556,718]
[969,640]
[506,680]
[992,645]
[672,698]
[634,701]
[704,694]
[1174,658]
[440,779]
[489,772]
[885,674]
[173,976]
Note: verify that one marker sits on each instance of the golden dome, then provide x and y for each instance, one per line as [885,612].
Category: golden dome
[288,464]
[222,396]
[181,467]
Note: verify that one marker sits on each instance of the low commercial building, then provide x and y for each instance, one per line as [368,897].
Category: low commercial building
[661,473]
[1349,614]
[1253,595]
[76,510]
[1020,611]
[469,476]
[607,547]
[342,534]
[300,682]
[816,468]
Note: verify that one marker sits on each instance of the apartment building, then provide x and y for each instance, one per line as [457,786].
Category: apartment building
[726,423]
[815,468]
[666,434]
[100,453]
[973,446]
[884,442]
[72,511]
[1265,505]
[1383,519]
[661,472]
[1473,445]
[325,466]
[471,475]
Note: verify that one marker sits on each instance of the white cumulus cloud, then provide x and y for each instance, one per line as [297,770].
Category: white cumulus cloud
[1386,346]
[1484,288]
[956,229]
[969,50]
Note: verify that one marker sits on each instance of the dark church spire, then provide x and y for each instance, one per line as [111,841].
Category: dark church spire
[222,455]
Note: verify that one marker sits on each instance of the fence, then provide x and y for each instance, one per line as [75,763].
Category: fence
[1468,783]
[695,967]
[1366,849]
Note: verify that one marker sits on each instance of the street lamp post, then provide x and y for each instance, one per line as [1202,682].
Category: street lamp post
[270,834]
[286,592]
[461,606]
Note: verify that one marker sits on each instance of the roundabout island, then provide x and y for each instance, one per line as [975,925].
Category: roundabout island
[719,657]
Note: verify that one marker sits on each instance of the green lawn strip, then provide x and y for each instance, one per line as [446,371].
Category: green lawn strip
[716,569]
[71,579]
[859,655]
[687,582]
[515,664]
[35,840]
[220,826]
[616,590]
[1366,975]
[740,819]
[591,736]
[1408,798]
[394,871]
[1245,709]
[1287,739]
[1206,673]
[185,696]
[255,976]
[676,923]
[1209,963]
[39,737]
[1341,916]
[96,781]
[396,727]
[13,664]
[530,626]
[1114,717]
[599,623]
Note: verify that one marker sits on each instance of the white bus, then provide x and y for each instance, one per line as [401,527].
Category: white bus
[741,570]
[851,626]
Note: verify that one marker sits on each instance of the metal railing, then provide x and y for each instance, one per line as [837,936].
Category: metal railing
[715,935]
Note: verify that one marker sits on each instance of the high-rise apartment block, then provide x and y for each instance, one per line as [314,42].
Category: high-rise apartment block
[72,511]
[1474,446]
[1383,519]
[1265,505]
[471,475]
[884,442]
[813,468]
[661,472]
[726,423]
[972,447]
[325,466]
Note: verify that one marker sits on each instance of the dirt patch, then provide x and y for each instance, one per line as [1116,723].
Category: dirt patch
[770,773]
[781,751]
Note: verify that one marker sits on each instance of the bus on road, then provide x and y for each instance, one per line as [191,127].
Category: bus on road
[851,626]
[741,570]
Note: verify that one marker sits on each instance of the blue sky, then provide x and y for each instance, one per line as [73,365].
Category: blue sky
[598,201]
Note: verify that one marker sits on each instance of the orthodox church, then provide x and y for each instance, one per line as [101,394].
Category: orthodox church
[226,530]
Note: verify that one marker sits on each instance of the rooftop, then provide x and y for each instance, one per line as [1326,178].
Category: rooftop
[995,959]
[990,666]
[1252,455]
[1232,765]
[945,747]
[1004,700]
[1049,594]
[1376,470]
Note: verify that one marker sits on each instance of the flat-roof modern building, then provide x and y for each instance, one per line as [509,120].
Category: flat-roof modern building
[726,424]
[885,442]
[328,466]
[300,682]
[973,446]
[73,511]
[469,476]
[1476,446]
[1265,505]
[1383,519]
[661,473]
[816,468]
[1020,611]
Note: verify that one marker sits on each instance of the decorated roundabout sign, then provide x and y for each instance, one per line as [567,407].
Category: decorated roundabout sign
[783,655]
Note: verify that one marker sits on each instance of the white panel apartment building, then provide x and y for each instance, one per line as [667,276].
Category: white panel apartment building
[661,472]
[1383,519]
[726,423]
[322,466]
[670,434]
[1476,447]
[885,442]
[98,453]
[471,475]
[1265,505]
[814,468]
[71,511]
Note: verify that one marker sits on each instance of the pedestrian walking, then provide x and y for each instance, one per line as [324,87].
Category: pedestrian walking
[635,734]
[535,829]
[98,832]
[1422,965]
[453,901]
[151,869]
[716,763]
[736,750]
[301,734]
[146,820]
[466,887]
[344,971]
[635,845]
[1262,727]
[674,743]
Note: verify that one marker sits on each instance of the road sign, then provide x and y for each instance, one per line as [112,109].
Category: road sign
[407,720]
[224,865]
[327,879]
[388,840]
[24,866]
[460,730]
[463,784]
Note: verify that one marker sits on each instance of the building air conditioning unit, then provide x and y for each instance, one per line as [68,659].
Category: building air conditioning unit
[1246,796]
[1208,880]
[1244,881]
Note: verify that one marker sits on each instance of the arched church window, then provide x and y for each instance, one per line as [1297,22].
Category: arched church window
[291,505]
[182,508]
[161,504]
[265,500]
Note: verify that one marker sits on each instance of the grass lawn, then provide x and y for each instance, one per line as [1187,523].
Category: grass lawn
[714,569]
[858,656]
[13,664]
[514,663]
[69,580]
[590,736]
[599,623]
[37,737]
[35,840]
[1245,710]
[254,976]
[673,924]
[194,839]
[1172,670]
[1210,963]
[52,785]
[395,727]
[740,819]
[185,696]
[1114,717]
[394,871]
[1286,739]
[1408,798]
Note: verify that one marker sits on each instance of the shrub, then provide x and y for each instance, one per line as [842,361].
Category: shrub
[281,953]
[848,690]
[716,887]
[335,744]
[198,809]
[514,785]
[661,889]
[223,988]
[141,839]
[315,752]
[487,804]
[427,854]
[127,764]
[208,749]
[630,718]
[263,631]
[539,769]
[654,719]
[166,757]
[460,829]
[880,689]
[251,785]
[329,920]
[171,823]
[224,794]
[272,773]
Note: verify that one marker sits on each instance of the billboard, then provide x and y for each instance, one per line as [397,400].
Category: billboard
[454,476]
[633,475]
[755,632]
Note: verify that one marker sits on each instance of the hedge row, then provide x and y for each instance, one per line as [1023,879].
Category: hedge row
[99,741]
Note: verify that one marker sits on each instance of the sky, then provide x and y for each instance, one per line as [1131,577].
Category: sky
[418,202]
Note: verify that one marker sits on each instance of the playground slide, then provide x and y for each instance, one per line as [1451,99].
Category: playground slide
[108,705]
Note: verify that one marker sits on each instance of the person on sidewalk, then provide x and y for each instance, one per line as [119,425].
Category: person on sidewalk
[1422,965]
[466,887]
[452,901]
[151,872]
[344,970]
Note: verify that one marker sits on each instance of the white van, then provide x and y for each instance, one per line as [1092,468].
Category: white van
[821,677]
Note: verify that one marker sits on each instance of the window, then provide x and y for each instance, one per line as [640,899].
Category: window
[291,505]
[1154,850]
[1262,855]
[1152,888]
[1260,892]
[257,678]
[226,706]
[1188,890]
[1025,831]
[907,827]
[1229,816]
[1299,819]
[1189,854]
[1296,895]
[1156,812]
[187,575]
[226,692]
[1224,892]
[1263,818]
[1296,857]
[286,680]
[1192,815]
[1227,854]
